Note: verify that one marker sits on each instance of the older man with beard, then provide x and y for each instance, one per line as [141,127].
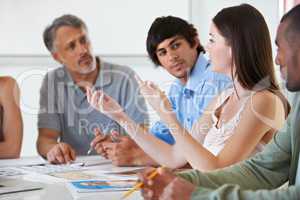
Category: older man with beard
[67,124]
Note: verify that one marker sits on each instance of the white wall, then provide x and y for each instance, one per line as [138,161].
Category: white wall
[205,10]
[117,28]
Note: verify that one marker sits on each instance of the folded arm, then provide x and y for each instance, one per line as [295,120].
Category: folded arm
[234,192]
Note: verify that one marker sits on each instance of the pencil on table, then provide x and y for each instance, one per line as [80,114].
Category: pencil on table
[139,185]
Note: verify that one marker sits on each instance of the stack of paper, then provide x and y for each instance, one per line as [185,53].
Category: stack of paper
[83,188]
[8,186]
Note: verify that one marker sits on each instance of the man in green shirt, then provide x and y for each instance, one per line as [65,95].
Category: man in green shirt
[260,176]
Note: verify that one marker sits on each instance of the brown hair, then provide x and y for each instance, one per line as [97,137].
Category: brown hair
[246,31]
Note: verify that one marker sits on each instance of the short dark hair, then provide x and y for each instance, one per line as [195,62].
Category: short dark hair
[292,30]
[166,27]
[64,20]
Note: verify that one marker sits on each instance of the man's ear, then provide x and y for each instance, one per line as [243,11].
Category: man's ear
[197,41]
[56,57]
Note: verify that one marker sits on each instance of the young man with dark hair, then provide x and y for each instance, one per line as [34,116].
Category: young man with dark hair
[173,44]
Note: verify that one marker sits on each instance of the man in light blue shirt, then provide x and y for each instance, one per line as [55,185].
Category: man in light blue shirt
[196,85]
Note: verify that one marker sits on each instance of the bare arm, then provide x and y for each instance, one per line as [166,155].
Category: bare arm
[163,153]
[204,123]
[160,151]
[142,158]
[47,139]
[239,146]
[121,150]
[10,147]
[55,152]
[126,152]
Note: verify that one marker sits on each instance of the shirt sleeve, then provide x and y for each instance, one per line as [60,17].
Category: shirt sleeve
[267,170]
[161,131]
[48,116]
[234,192]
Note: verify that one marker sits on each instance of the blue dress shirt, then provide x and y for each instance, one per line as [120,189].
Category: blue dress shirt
[190,100]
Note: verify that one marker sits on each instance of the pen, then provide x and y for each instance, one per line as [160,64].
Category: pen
[89,151]
[113,137]
[139,185]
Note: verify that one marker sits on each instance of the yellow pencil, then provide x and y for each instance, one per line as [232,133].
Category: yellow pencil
[139,185]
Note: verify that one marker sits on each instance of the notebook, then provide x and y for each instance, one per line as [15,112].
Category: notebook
[99,185]
[10,171]
[51,168]
[79,164]
[11,185]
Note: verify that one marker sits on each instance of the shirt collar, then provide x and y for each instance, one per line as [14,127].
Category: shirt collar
[104,76]
[197,72]
[194,78]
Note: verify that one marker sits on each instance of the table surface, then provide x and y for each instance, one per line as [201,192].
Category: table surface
[54,190]
[59,191]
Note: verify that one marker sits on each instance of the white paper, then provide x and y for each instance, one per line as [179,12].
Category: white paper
[24,161]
